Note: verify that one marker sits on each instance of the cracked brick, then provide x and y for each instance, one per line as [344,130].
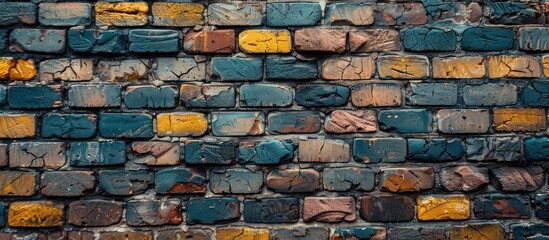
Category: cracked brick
[346,121]
[490,94]
[212,210]
[235,14]
[443,207]
[391,14]
[124,70]
[95,213]
[293,14]
[210,152]
[66,69]
[322,150]
[310,40]
[207,96]
[123,14]
[348,68]
[407,179]
[17,69]
[156,153]
[37,154]
[271,210]
[67,184]
[348,178]
[463,178]
[477,231]
[17,183]
[374,40]
[153,212]
[376,95]
[514,179]
[432,94]
[493,148]
[180,181]
[266,152]
[513,66]
[236,181]
[357,14]
[177,14]
[293,180]
[403,67]
[519,119]
[125,183]
[459,67]
[329,210]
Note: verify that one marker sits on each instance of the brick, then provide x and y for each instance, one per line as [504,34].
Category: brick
[17,125]
[407,179]
[396,120]
[64,14]
[156,153]
[463,178]
[123,14]
[301,233]
[94,96]
[486,39]
[406,67]
[153,41]
[529,230]
[271,210]
[210,152]
[3,218]
[493,148]
[387,208]
[293,14]
[294,122]
[290,68]
[459,67]
[391,14]
[458,121]
[456,13]
[207,96]
[36,214]
[210,41]
[535,148]
[356,14]
[266,152]
[100,153]
[321,95]
[535,94]
[124,70]
[477,231]
[293,180]
[126,235]
[235,14]
[180,181]
[348,68]
[168,14]
[181,124]
[125,125]
[376,95]
[17,12]
[212,210]
[80,235]
[236,181]
[443,207]
[545,63]
[533,38]
[329,210]
[432,94]
[67,184]
[438,150]
[419,39]
[423,233]
[37,154]
[310,40]
[34,96]
[17,69]
[541,205]
[17,183]
[95,213]
[38,40]
[265,41]
[237,123]
[242,233]
[498,206]
[347,121]
[153,212]
[345,179]
[320,150]
[96,40]
[125,183]
[65,69]
[179,69]
[364,232]
[150,96]
[515,13]
[265,95]
[3,155]
[519,119]
[514,179]
[375,150]
[513,66]
[191,233]
[236,69]
[490,94]
[374,40]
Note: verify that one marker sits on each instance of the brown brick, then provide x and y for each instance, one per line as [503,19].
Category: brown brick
[81,235]
[519,119]
[126,235]
[347,121]
[95,213]
[387,208]
[66,69]
[515,179]
[178,234]
[67,183]
[376,95]
[348,68]
[3,155]
[458,67]
[293,181]
[477,231]
[156,153]
[36,214]
[463,120]
[463,178]
[320,40]
[407,179]
[177,14]
[323,150]
[17,183]
[210,41]
[333,209]
[37,154]
[374,40]
[509,66]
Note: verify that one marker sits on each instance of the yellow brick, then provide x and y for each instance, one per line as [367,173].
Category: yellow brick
[121,14]
[177,14]
[513,67]
[17,183]
[519,119]
[476,231]
[403,67]
[36,214]
[545,60]
[181,124]
[265,41]
[242,233]
[443,207]
[17,69]
[17,126]
[459,67]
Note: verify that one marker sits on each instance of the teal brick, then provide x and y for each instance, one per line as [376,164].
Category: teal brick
[420,39]
[293,14]
[3,217]
[180,180]
[153,41]
[94,96]
[271,210]
[533,38]
[514,13]
[487,39]
[3,39]
[365,232]
[236,69]
[17,12]
[202,152]
[150,97]
[399,120]
[34,97]
[208,96]
[212,210]
[530,231]
[375,150]
[38,40]
[290,68]
[536,94]
[536,148]
[438,150]
[294,122]
[345,179]
[125,183]
[68,125]
[83,154]
[97,40]
[3,94]
[488,206]
[125,125]
[236,181]
[265,153]
[432,94]
[490,94]
[265,95]
[321,95]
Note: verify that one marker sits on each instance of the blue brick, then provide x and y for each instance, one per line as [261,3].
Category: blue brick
[321,95]
[208,96]
[294,122]
[83,154]
[399,120]
[515,13]
[125,125]
[533,38]
[496,206]
[68,125]
[265,95]
[201,152]
[345,179]
[421,39]
[17,12]
[290,68]
[435,149]
[237,123]
[125,183]
[293,14]
[212,210]
[34,97]
[536,94]
[153,41]
[530,231]
[97,41]
[180,181]
[271,210]
[236,69]
[490,94]
[37,40]
[65,14]
[236,181]
[3,39]
[150,97]
[432,94]
[541,204]
[366,232]
[267,152]
[3,217]
[375,150]
[94,96]
[3,95]
[536,148]
[487,39]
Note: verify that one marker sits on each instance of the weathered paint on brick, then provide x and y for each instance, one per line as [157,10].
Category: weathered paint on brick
[439,207]
[64,14]
[348,68]
[321,95]
[125,125]
[212,210]
[265,41]
[420,39]
[519,119]
[290,68]
[38,40]
[150,96]
[94,96]
[293,14]
[236,181]
[17,125]
[235,14]
[459,67]
[207,152]
[487,39]
[271,210]
[97,153]
[17,183]
[435,149]
[96,40]
[180,181]
[181,124]
[375,150]
[376,95]
[403,67]
[37,154]
[513,66]
[322,150]
[349,14]
[266,152]
[238,123]
[177,14]
[207,96]
[125,183]
[34,97]
[397,121]
[236,69]
[17,12]
[210,41]
[36,214]
[432,94]
[265,95]
[294,122]
[123,14]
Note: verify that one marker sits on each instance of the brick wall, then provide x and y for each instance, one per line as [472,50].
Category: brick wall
[273,120]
